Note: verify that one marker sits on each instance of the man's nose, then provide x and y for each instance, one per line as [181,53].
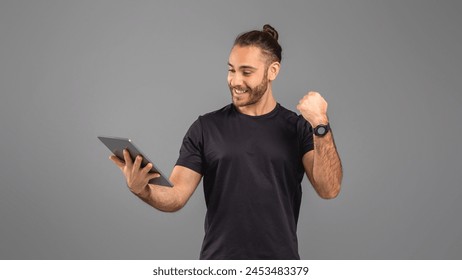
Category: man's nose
[236,80]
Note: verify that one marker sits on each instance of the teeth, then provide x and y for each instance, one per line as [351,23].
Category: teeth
[240,91]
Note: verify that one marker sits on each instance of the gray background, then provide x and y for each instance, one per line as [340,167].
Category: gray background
[71,70]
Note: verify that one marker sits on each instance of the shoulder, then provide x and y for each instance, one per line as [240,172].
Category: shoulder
[297,122]
[292,117]
[286,113]
[210,118]
[217,116]
[217,113]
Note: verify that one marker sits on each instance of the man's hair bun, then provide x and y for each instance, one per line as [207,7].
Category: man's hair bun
[271,31]
[266,40]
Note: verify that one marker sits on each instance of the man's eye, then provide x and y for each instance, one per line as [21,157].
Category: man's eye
[231,70]
[247,73]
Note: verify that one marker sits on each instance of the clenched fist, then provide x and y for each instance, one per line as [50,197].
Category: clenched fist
[313,108]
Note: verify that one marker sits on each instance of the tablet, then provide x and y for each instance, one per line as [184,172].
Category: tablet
[116,145]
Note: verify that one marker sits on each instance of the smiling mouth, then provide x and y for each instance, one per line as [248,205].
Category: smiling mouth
[240,91]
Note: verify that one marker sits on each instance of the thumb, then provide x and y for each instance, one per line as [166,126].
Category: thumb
[299,108]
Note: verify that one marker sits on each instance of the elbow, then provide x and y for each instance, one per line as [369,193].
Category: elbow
[169,210]
[169,202]
[176,208]
[172,208]
[331,193]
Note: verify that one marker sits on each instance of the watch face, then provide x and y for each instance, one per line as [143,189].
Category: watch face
[321,130]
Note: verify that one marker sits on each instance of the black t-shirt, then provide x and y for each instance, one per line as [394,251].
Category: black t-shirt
[252,171]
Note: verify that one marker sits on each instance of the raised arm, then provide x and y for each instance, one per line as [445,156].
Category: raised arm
[322,165]
[166,199]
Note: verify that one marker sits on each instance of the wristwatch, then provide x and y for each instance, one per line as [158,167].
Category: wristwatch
[321,129]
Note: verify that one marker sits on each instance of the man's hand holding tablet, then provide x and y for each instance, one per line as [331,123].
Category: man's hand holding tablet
[147,181]
[137,177]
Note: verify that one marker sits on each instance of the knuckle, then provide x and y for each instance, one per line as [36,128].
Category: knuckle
[313,93]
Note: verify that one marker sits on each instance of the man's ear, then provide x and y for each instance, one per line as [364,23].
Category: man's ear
[273,70]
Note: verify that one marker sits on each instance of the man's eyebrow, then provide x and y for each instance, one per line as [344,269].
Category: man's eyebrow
[244,66]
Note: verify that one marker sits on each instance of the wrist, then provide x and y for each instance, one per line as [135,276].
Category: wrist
[143,192]
[320,120]
[321,130]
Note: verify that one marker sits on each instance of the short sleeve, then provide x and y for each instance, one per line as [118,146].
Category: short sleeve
[305,135]
[191,150]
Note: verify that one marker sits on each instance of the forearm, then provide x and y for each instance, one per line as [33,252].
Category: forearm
[327,167]
[162,198]
[167,199]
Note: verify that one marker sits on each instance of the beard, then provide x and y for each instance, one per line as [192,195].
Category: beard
[252,96]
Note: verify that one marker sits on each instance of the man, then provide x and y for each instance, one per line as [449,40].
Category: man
[252,155]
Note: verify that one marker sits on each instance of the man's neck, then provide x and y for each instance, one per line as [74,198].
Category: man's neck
[265,105]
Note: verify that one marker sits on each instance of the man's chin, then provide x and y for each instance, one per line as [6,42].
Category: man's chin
[240,102]
[243,100]
[243,103]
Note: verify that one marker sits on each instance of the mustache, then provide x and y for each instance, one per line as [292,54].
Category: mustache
[239,88]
